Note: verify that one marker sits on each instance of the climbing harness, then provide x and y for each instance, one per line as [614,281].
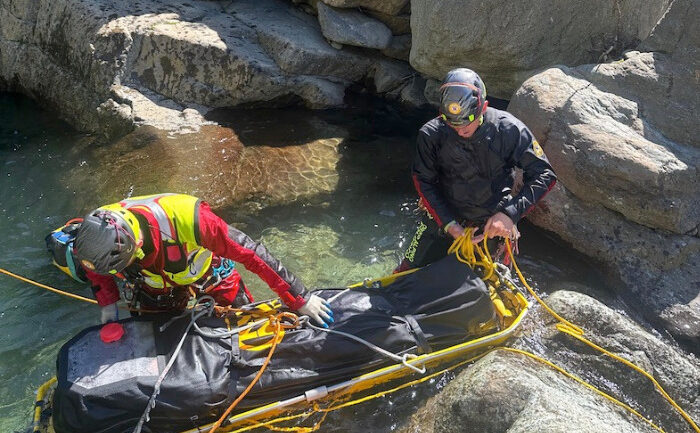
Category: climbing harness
[218,274]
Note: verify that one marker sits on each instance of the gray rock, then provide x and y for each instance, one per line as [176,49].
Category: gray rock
[350,27]
[506,42]
[166,57]
[619,136]
[659,270]
[412,94]
[506,391]
[399,24]
[389,7]
[676,372]
[677,33]
[391,75]
[115,119]
[432,91]
[399,48]
[294,40]
[593,132]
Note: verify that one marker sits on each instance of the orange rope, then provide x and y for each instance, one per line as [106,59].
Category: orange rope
[276,321]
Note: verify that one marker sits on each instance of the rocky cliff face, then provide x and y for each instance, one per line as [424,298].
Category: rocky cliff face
[509,41]
[109,65]
[620,136]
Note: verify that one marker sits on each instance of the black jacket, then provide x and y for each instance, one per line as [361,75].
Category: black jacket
[471,179]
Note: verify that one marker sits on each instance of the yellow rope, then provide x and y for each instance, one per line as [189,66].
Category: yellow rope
[466,252]
[278,325]
[44,286]
[327,410]
[582,382]
[570,329]
[475,255]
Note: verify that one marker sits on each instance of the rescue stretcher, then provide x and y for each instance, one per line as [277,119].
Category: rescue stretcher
[334,382]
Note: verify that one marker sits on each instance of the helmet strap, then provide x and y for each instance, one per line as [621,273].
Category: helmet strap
[140,254]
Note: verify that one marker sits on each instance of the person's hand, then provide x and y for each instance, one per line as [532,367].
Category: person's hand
[455,229]
[500,225]
[318,309]
[109,313]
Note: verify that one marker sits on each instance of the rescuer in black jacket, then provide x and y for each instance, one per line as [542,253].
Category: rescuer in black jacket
[465,167]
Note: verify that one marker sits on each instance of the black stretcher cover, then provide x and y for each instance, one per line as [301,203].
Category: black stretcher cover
[105,387]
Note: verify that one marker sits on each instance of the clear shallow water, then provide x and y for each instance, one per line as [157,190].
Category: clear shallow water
[358,231]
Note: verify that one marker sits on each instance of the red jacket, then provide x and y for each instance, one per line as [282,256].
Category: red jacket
[222,240]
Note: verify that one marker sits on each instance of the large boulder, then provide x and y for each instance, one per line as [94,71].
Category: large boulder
[351,27]
[507,41]
[659,270]
[606,147]
[619,136]
[506,391]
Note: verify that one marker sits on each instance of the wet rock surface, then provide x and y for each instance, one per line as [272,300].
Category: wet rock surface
[506,391]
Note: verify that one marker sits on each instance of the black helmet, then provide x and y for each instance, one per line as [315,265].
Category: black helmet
[106,241]
[60,244]
[462,96]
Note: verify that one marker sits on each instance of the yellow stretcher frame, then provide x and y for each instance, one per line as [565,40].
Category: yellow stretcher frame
[357,384]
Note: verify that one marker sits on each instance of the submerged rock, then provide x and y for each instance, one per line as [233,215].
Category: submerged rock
[214,164]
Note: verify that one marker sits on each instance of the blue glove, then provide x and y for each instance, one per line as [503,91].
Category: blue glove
[318,309]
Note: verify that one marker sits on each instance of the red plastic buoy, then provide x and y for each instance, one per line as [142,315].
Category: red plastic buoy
[111,332]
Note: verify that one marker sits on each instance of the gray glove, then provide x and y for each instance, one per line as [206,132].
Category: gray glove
[109,313]
[318,309]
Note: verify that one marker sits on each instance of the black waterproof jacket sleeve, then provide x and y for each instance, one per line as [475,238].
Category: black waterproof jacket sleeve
[538,175]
